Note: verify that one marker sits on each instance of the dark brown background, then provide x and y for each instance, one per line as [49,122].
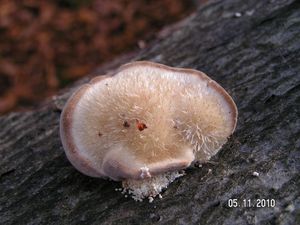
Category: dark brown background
[45,45]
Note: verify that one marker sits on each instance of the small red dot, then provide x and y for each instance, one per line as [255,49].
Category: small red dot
[141,126]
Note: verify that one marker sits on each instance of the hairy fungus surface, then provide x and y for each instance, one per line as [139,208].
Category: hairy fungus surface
[146,120]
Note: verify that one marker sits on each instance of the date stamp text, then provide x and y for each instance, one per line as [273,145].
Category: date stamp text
[251,203]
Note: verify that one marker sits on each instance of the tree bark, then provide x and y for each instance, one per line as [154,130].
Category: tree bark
[252,49]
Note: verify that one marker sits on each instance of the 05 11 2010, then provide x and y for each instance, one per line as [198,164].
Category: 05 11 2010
[257,203]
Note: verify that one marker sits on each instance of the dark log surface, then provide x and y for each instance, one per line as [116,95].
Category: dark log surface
[255,56]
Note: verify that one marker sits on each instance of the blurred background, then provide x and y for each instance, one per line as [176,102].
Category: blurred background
[44,45]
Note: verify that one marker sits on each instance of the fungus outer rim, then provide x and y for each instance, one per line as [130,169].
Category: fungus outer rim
[81,163]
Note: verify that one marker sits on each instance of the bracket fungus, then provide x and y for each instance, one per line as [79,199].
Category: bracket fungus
[145,124]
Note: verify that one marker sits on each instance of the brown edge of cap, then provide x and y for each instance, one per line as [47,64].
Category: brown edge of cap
[136,174]
[121,171]
[200,75]
[174,166]
[73,154]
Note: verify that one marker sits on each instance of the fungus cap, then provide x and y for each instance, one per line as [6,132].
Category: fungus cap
[145,120]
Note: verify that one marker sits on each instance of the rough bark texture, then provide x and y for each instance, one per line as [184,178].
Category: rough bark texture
[255,57]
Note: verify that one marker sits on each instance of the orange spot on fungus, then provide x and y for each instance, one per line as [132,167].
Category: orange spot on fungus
[141,126]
